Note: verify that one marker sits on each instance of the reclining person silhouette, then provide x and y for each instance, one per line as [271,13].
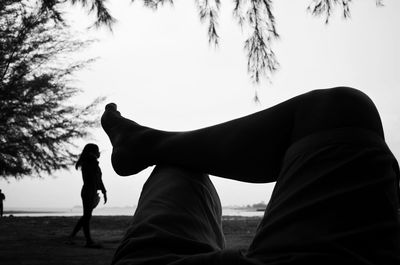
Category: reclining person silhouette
[335,200]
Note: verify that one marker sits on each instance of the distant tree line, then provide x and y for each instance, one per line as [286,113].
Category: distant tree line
[259,205]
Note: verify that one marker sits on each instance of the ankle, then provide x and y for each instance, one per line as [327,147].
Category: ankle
[160,150]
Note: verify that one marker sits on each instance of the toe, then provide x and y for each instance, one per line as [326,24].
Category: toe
[111,106]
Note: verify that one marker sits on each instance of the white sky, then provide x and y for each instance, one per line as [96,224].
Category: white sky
[160,70]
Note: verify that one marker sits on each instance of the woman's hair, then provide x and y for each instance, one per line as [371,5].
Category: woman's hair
[88,151]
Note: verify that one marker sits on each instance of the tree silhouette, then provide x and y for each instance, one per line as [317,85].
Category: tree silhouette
[254,15]
[37,124]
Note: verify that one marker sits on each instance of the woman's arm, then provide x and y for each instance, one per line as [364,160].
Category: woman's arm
[101,185]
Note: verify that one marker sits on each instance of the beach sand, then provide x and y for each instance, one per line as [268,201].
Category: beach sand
[42,240]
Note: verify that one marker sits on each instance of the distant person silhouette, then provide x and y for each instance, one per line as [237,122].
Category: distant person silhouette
[92,182]
[335,199]
[2,198]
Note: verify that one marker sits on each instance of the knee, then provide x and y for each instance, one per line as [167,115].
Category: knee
[87,214]
[343,103]
[335,108]
[163,174]
[175,182]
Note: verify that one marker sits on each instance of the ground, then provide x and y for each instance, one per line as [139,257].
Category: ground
[41,240]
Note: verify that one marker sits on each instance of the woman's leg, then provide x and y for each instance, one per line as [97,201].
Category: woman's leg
[77,228]
[83,222]
[87,215]
[248,149]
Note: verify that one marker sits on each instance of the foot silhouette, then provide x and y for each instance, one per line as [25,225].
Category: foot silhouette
[132,143]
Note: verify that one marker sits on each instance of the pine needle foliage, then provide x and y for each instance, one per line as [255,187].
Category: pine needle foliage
[254,15]
[38,124]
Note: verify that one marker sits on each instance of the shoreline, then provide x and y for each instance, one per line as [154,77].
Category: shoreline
[43,215]
[111,211]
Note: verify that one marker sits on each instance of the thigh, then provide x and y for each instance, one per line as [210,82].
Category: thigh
[88,198]
[178,216]
[335,202]
[87,213]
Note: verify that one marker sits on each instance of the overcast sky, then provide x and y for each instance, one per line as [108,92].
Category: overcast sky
[160,70]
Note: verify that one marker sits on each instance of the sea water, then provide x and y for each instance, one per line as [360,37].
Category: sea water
[112,211]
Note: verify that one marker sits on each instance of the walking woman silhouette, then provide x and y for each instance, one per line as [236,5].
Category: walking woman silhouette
[92,182]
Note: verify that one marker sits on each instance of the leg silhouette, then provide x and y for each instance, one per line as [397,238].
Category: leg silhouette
[248,149]
[84,222]
[335,200]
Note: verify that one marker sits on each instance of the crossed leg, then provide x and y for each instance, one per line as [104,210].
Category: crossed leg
[253,149]
[247,149]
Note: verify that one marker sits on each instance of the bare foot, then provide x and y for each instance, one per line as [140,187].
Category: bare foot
[132,143]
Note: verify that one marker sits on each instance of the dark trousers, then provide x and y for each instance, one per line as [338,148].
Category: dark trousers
[335,202]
